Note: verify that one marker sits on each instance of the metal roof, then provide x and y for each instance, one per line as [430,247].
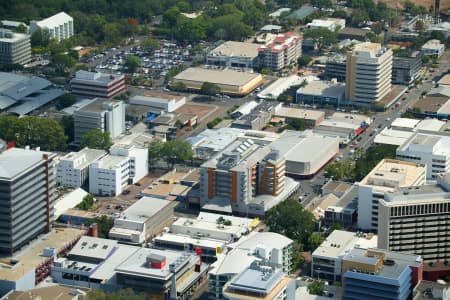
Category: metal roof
[33,103]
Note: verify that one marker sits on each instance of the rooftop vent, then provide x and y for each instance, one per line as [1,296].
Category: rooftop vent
[389,262]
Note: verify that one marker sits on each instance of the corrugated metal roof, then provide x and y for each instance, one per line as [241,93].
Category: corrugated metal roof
[33,103]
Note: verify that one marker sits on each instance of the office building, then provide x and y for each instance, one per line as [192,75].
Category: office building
[59,26]
[387,176]
[373,274]
[142,220]
[96,84]
[256,247]
[260,281]
[126,164]
[414,220]
[280,52]
[234,54]
[27,185]
[101,114]
[430,149]
[368,73]
[72,170]
[327,258]
[15,48]
[321,93]
[433,48]
[336,67]
[405,70]
[258,118]
[158,102]
[331,24]
[245,178]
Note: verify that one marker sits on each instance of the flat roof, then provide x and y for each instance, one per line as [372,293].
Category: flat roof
[336,186]
[236,49]
[15,161]
[431,103]
[225,76]
[145,208]
[445,80]
[405,123]
[423,142]
[206,225]
[431,125]
[93,247]
[255,280]
[88,155]
[99,105]
[298,113]
[392,137]
[111,161]
[280,85]
[69,200]
[80,104]
[31,256]
[180,239]
[14,37]
[55,292]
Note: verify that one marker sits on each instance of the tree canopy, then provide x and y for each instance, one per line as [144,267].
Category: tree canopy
[96,139]
[124,294]
[176,151]
[104,224]
[67,100]
[210,88]
[87,202]
[324,37]
[154,152]
[371,158]
[132,63]
[316,288]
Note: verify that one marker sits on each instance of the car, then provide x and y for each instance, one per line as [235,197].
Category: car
[372,133]
[388,119]
[138,197]
[126,192]
[137,184]
[380,125]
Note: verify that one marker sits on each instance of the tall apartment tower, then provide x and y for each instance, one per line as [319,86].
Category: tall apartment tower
[368,74]
[27,180]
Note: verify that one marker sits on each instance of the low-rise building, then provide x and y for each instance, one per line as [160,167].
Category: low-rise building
[15,48]
[234,54]
[68,201]
[326,23]
[258,118]
[59,26]
[344,125]
[72,170]
[406,70]
[159,102]
[281,52]
[353,33]
[424,290]
[96,84]
[344,211]
[336,67]
[279,86]
[433,48]
[142,220]
[55,292]
[321,93]
[312,117]
[174,185]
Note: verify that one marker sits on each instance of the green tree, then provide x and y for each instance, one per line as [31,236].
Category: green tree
[315,239]
[132,63]
[154,152]
[96,139]
[179,86]
[371,158]
[124,294]
[67,124]
[62,63]
[324,37]
[290,219]
[341,170]
[176,151]
[104,225]
[210,88]
[150,45]
[22,29]
[87,202]
[111,33]
[316,288]
[40,38]
[304,60]
[67,100]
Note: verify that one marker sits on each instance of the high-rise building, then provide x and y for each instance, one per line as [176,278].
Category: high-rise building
[59,26]
[387,176]
[368,73]
[280,52]
[27,181]
[15,48]
[101,114]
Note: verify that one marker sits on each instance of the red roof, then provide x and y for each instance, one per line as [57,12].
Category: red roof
[359,130]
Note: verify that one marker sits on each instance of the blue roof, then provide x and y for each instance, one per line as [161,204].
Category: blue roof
[302,12]
[151,117]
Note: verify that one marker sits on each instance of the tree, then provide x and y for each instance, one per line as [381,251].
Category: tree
[87,202]
[315,239]
[304,60]
[40,38]
[111,33]
[67,100]
[316,288]
[62,62]
[210,88]
[150,45]
[179,86]
[132,63]
[340,170]
[176,151]
[290,219]
[371,158]
[96,139]
[154,152]
[123,294]
[324,37]
[104,224]
[67,124]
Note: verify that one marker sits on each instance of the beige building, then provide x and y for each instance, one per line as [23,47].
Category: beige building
[369,72]
[387,176]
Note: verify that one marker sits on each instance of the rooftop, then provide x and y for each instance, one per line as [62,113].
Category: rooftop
[445,80]
[86,155]
[111,162]
[405,123]
[56,292]
[100,105]
[280,85]
[8,36]
[426,290]
[431,103]
[431,125]
[323,88]
[93,247]
[345,120]
[298,113]
[16,161]
[35,101]
[80,104]
[87,77]
[428,143]
[392,137]
[145,208]
[69,200]
[57,19]
[333,186]
[432,44]
[225,76]
[236,49]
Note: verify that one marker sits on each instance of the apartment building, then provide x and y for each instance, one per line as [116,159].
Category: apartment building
[387,176]
[27,195]
[126,164]
[72,170]
[415,220]
[96,84]
[59,26]
[368,73]
[280,52]
[430,149]
[15,48]
[245,178]
[101,114]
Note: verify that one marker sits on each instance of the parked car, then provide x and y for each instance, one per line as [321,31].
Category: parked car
[126,192]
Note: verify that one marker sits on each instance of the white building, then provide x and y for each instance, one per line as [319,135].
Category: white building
[234,54]
[326,23]
[433,48]
[126,164]
[432,150]
[72,170]
[158,102]
[15,48]
[327,258]
[59,26]
[387,176]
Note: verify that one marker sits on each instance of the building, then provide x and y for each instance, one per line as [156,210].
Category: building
[380,274]
[244,109]
[312,117]
[321,93]
[257,246]
[126,164]
[174,185]
[343,211]
[159,102]
[281,52]
[327,258]
[59,26]
[234,54]
[27,182]
[412,220]
[13,25]
[72,170]
[259,117]
[281,85]
[100,263]
[56,292]
[68,201]
[331,24]
[260,281]
[353,33]
[430,149]
[142,220]
[368,73]
[15,48]
[279,12]
[431,290]
[387,176]
[101,114]
[230,81]
[336,67]
[96,84]
[246,179]
[433,48]
[305,153]
[406,70]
